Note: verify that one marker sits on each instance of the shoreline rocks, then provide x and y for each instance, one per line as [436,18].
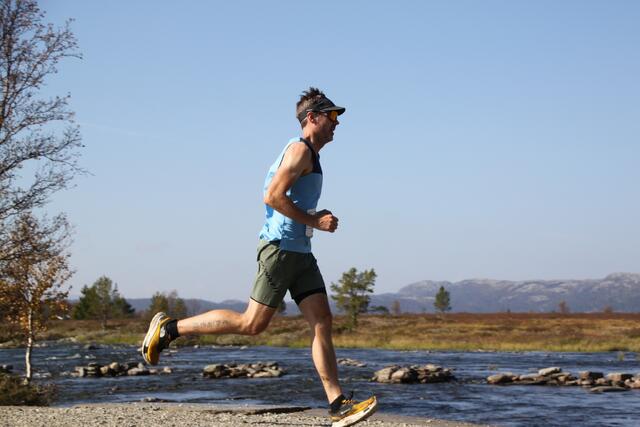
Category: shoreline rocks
[247,370]
[414,374]
[345,361]
[554,376]
[116,369]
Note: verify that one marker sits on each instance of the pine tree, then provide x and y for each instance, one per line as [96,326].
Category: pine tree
[102,301]
[442,302]
[170,303]
[351,293]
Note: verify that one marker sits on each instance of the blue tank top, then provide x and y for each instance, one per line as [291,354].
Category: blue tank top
[304,193]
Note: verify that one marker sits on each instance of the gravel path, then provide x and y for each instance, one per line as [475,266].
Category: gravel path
[178,415]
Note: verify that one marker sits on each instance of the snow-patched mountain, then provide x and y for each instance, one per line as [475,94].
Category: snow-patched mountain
[620,291]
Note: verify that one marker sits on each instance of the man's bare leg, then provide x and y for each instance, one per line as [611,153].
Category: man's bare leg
[254,320]
[315,309]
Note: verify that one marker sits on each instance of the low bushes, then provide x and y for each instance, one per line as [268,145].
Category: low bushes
[13,391]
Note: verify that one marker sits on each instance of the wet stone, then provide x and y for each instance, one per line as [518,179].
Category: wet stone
[619,376]
[548,371]
[554,376]
[413,374]
[503,378]
[137,372]
[253,370]
[588,375]
[116,369]
[351,362]
[528,377]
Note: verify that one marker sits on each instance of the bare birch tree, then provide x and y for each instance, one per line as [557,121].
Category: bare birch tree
[39,148]
[39,142]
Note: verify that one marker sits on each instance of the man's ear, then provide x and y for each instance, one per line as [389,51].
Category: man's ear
[311,117]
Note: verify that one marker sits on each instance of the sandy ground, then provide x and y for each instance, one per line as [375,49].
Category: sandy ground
[178,415]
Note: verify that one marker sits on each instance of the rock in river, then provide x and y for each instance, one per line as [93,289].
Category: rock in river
[413,374]
[249,370]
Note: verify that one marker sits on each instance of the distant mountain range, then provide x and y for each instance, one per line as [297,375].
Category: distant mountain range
[620,291]
[194,305]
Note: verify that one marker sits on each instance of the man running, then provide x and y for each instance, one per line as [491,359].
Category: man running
[285,262]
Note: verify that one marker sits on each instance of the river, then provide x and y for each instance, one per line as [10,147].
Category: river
[468,399]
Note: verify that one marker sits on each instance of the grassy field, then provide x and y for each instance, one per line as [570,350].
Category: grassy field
[459,331]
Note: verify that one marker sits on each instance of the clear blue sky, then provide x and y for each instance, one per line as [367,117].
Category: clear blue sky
[493,139]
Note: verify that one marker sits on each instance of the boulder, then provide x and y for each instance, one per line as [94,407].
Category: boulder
[134,372]
[548,371]
[384,374]
[6,369]
[413,374]
[253,370]
[564,379]
[404,375]
[274,372]
[215,371]
[351,362]
[262,374]
[619,376]
[588,375]
[528,377]
[428,377]
[115,369]
[504,378]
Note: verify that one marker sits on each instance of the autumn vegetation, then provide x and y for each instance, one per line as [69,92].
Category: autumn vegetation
[575,332]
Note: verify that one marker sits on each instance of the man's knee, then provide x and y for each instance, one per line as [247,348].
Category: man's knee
[322,321]
[253,325]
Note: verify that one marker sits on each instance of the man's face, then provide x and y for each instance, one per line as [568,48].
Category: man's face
[326,124]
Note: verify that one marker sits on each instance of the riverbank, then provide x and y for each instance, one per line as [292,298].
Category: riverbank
[579,332]
[141,414]
[469,398]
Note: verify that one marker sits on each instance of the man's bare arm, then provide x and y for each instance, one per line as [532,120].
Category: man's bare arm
[296,162]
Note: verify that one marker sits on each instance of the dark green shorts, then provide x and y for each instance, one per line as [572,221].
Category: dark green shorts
[279,271]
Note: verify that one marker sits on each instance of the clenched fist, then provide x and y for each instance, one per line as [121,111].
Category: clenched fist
[325,221]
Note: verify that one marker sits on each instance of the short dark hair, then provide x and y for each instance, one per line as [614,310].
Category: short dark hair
[307,100]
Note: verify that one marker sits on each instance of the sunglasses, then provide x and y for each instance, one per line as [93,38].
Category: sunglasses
[332,115]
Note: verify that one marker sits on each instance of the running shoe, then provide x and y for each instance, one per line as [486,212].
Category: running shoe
[352,412]
[157,338]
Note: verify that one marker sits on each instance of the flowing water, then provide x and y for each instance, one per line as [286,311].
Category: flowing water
[467,399]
